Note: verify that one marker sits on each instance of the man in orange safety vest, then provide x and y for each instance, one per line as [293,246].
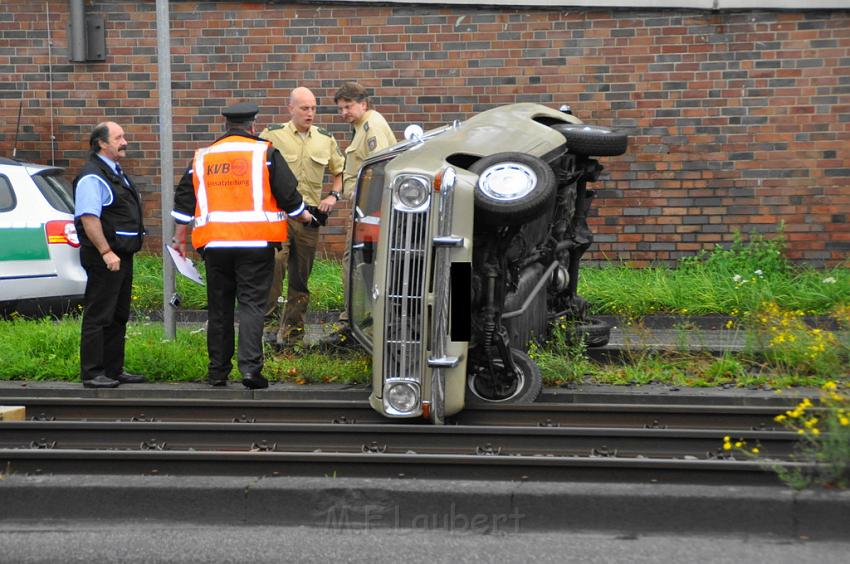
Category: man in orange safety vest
[237,194]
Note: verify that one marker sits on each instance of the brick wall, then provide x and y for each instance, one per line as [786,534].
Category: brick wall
[739,120]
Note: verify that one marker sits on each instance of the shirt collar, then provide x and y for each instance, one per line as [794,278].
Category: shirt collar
[112,164]
[294,130]
[363,119]
[240,133]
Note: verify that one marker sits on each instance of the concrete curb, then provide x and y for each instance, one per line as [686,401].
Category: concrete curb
[460,506]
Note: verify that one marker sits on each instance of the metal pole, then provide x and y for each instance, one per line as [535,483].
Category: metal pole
[77,40]
[166,148]
[50,89]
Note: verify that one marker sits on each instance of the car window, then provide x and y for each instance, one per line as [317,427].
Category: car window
[56,190]
[7,196]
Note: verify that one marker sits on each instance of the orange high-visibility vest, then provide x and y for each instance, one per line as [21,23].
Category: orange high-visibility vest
[235,206]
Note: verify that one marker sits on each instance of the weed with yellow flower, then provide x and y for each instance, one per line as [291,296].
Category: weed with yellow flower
[824,440]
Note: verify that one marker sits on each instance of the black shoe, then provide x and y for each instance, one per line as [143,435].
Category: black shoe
[254,381]
[101,382]
[216,382]
[127,378]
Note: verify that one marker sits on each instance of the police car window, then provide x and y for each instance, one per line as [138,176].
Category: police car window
[7,196]
[56,190]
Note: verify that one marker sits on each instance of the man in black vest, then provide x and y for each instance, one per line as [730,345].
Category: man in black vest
[108,217]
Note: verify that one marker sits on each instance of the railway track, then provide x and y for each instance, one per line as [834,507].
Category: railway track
[357,411]
[385,439]
[545,441]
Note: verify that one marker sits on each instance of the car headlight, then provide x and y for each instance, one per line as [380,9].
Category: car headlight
[507,181]
[411,194]
[403,397]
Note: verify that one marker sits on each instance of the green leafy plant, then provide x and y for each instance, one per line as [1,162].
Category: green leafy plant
[561,360]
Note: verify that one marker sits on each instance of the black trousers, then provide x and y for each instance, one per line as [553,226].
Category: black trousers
[244,276]
[105,315]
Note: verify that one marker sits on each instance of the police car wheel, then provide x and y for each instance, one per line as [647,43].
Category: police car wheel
[524,388]
[593,140]
[512,188]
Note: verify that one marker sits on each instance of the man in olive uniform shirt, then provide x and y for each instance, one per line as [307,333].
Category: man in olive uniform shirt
[308,151]
[371,134]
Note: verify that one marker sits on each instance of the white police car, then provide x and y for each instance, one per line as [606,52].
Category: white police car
[40,268]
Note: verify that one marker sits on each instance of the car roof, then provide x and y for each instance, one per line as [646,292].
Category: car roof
[514,127]
[32,167]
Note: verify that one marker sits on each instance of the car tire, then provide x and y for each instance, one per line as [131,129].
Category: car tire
[593,333]
[527,388]
[593,140]
[495,207]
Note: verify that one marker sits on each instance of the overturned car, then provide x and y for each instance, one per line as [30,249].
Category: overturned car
[465,246]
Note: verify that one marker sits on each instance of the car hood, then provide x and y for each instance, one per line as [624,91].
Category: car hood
[522,128]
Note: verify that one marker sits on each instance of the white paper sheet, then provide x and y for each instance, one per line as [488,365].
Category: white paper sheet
[185,266]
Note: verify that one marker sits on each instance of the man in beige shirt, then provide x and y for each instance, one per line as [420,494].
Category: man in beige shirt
[309,151]
[371,134]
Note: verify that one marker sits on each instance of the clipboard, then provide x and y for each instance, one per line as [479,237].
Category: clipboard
[185,266]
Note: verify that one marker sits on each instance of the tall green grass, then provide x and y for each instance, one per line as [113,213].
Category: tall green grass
[325,286]
[726,280]
[49,349]
[737,280]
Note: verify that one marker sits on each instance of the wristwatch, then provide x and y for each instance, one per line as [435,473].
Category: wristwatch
[335,194]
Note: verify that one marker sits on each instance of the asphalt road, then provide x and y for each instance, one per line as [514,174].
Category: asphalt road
[70,542]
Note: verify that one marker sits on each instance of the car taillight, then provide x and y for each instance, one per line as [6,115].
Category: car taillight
[62,232]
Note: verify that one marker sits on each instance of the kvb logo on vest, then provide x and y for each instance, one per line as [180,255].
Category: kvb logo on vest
[225,171]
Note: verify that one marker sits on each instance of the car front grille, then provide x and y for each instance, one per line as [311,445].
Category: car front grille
[405,295]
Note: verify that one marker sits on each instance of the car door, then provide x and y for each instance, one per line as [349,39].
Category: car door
[24,254]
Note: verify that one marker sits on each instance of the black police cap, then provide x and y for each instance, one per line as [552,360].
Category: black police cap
[244,111]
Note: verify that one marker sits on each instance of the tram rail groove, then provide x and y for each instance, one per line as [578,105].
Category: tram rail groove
[652,415]
[397,466]
[389,439]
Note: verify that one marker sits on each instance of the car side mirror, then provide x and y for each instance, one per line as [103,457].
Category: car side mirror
[413,132]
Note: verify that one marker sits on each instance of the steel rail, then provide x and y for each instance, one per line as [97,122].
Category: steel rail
[401,466]
[732,417]
[399,439]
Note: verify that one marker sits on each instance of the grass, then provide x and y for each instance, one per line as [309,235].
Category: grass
[48,349]
[325,286]
[723,281]
[751,281]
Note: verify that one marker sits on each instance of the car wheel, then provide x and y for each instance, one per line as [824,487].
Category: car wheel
[593,140]
[593,333]
[512,188]
[524,388]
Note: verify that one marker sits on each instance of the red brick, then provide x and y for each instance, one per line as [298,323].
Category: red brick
[797,172]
